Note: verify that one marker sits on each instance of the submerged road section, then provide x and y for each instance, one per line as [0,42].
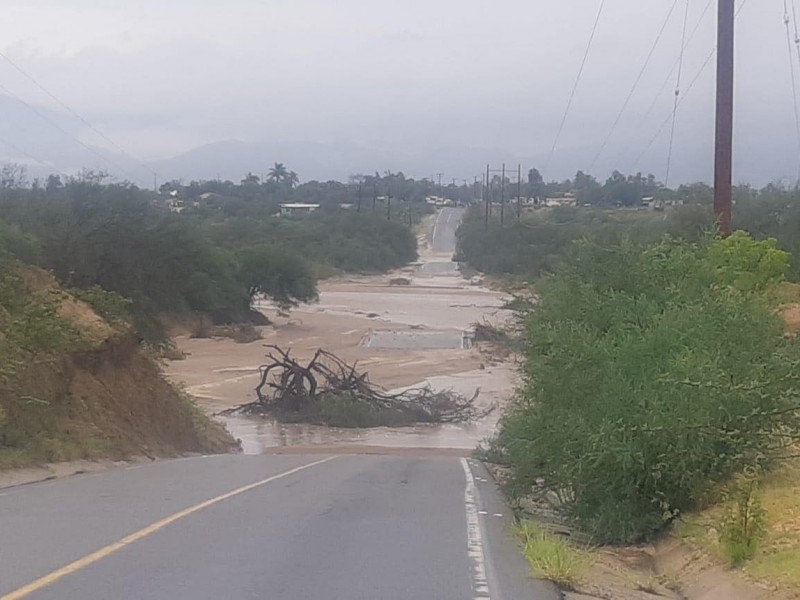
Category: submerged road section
[262,527]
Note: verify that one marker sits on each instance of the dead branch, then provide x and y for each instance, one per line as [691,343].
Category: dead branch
[290,388]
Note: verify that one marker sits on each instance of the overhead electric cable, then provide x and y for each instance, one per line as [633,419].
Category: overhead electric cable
[677,97]
[667,121]
[787,20]
[32,157]
[66,107]
[796,31]
[635,86]
[52,123]
[575,86]
[668,78]
[669,118]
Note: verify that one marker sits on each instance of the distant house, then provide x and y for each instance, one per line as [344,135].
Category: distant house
[438,201]
[292,209]
[564,201]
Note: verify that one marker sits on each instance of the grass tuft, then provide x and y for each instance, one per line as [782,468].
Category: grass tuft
[551,557]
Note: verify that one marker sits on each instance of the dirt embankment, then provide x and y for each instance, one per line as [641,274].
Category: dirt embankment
[111,401]
[102,397]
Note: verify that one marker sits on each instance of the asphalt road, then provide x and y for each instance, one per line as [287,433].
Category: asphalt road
[262,527]
[444,231]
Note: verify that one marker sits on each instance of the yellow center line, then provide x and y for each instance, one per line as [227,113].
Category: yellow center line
[92,558]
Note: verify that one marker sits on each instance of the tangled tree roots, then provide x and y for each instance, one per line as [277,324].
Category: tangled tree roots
[327,386]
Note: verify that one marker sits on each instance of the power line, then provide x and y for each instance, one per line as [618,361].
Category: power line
[577,83]
[680,102]
[786,21]
[50,121]
[33,80]
[32,157]
[668,78]
[667,121]
[796,31]
[677,96]
[635,85]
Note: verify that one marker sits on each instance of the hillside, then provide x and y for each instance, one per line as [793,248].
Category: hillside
[74,385]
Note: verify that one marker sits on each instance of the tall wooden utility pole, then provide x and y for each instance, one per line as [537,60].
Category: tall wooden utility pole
[519,192]
[723,169]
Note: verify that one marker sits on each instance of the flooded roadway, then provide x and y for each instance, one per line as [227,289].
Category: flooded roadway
[403,335]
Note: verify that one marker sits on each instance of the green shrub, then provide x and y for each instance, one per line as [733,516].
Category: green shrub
[38,328]
[543,241]
[346,410]
[649,380]
[744,524]
[113,307]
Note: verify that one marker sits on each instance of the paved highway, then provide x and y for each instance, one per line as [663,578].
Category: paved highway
[444,230]
[262,527]
[443,243]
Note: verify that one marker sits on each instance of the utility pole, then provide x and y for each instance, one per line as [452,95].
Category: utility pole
[374,196]
[723,169]
[389,204]
[360,183]
[503,196]
[487,194]
[519,192]
[441,191]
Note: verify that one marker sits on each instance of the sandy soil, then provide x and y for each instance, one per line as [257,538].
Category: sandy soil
[221,373]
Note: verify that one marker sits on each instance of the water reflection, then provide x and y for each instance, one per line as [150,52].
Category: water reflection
[259,434]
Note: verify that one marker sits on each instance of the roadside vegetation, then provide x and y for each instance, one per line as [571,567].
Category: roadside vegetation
[213,258]
[551,557]
[661,389]
[89,270]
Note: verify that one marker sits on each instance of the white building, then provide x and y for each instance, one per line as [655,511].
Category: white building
[291,209]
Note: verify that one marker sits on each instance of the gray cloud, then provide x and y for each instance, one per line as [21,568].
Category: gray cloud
[399,80]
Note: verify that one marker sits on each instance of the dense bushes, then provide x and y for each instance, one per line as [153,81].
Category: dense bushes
[652,376]
[123,240]
[542,241]
[337,239]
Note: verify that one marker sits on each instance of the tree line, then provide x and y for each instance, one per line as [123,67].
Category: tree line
[209,259]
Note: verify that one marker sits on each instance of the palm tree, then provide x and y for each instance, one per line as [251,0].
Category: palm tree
[292,179]
[278,173]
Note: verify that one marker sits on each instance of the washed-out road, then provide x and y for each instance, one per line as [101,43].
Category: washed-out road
[333,524]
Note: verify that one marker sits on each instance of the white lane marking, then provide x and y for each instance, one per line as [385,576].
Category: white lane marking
[480,582]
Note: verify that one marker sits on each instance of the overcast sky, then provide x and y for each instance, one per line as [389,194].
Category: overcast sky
[161,77]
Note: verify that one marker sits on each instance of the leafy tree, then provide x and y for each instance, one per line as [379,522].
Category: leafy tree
[54,183]
[281,275]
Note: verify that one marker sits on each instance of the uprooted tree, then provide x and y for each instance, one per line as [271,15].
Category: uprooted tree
[328,390]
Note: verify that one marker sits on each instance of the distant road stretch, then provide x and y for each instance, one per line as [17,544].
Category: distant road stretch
[262,527]
[444,230]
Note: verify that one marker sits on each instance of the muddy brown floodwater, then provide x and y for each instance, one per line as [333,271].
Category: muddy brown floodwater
[402,335]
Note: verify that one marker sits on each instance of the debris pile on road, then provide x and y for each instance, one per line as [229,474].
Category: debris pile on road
[330,391]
